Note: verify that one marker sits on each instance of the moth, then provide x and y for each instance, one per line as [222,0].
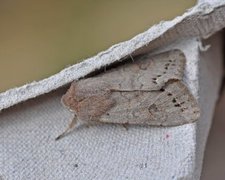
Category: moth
[148,91]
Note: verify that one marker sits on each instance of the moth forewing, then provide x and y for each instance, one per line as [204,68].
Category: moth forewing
[175,105]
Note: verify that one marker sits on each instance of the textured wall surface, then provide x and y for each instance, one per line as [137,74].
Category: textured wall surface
[210,78]
[214,164]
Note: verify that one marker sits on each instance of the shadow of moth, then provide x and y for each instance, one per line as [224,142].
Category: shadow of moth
[148,91]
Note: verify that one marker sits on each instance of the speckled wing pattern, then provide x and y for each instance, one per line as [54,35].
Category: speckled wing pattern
[147,91]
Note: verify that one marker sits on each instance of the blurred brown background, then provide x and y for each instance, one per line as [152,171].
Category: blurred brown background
[39,38]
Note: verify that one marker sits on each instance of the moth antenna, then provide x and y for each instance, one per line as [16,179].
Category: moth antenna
[68,129]
[131,57]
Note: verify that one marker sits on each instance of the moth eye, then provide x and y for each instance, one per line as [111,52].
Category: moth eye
[174,100]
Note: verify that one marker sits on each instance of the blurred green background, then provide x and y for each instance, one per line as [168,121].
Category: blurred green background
[39,38]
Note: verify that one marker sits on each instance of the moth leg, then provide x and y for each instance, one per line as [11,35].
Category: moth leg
[68,129]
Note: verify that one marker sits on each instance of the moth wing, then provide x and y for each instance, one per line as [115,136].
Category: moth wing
[174,106]
[147,72]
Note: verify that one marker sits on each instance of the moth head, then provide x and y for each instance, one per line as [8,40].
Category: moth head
[68,99]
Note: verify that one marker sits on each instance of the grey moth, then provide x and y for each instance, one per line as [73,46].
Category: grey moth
[148,91]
